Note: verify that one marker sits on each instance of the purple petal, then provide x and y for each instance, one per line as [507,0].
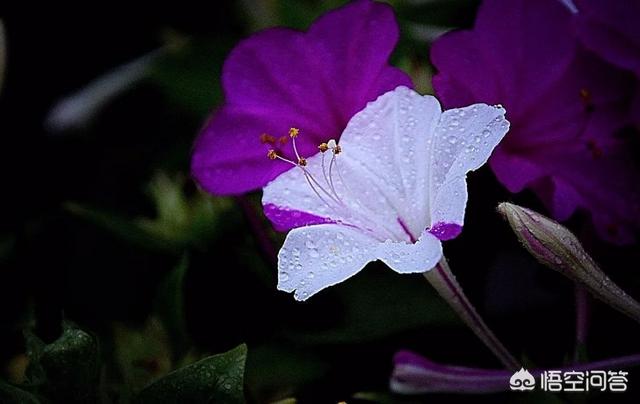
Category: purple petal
[414,374]
[446,231]
[281,78]
[564,105]
[611,29]
[287,219]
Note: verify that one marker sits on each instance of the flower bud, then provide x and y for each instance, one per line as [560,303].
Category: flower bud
[556,247]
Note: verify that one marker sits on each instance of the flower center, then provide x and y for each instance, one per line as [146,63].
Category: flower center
[329,185]
[325,189]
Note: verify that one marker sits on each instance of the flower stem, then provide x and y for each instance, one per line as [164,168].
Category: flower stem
[445,283]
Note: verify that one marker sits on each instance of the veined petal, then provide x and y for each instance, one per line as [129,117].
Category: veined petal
[386,146]
[315,257]
[465,138]
[406,258]
[379,178]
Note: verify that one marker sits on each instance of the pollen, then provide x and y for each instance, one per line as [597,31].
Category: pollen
[302,161]
[293,132]
[266,138]
[323,147]
[272,154]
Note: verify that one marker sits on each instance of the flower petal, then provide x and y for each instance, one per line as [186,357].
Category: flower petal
[279,78]
[384,166]
[387,146]
[406,258]
[611,30]
[315,257]
[465,138]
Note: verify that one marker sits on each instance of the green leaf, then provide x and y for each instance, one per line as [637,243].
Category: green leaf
[217,379]
[14,395]
[275,370]
[180,221]
[67,369]
[119,226]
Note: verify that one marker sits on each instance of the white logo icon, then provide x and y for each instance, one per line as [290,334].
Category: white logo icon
[522,380]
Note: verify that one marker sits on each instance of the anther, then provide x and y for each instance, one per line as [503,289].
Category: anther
[266,138]
[337,149]
[302,161]
[272,154]
[323,147]
[293,132]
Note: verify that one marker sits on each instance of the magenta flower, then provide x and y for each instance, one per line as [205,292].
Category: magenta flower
[414,374]
[564,103]
[611,29]
[282,78]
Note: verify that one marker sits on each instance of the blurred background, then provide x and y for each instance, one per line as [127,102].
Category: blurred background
[102,226]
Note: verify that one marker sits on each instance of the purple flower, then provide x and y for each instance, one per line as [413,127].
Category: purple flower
[279,78]
[611,29]
[391,190]
[564,103]
[414,374]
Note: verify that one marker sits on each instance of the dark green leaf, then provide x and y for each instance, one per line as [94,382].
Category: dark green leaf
[67,369]
[216,379]
[14,395]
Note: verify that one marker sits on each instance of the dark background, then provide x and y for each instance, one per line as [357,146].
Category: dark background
[60,257]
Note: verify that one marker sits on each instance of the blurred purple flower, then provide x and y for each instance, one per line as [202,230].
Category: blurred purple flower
[611,30]
[279,78]
[414,374]
[565,105]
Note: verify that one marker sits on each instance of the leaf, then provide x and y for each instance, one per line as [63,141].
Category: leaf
[217,379]
[275,370]
[119,226]
[180,221]
[67,369]
[14,395]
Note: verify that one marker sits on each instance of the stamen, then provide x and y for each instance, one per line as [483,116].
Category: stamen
[272,154]
[293,132]
[302,161]
[266,138]
[323,147]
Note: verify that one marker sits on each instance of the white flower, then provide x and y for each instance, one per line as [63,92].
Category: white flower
[391,190]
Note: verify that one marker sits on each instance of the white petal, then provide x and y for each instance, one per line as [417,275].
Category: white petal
[465,138]
[315,257]
[404,258]
[387,145]
[383,163]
